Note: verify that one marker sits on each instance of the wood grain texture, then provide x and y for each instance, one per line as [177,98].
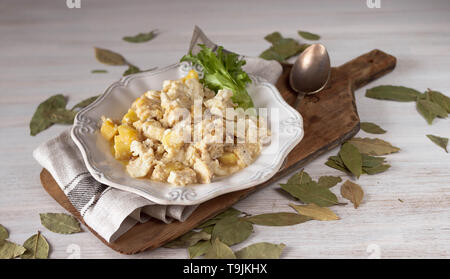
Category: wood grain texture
[329,117]
[47,48]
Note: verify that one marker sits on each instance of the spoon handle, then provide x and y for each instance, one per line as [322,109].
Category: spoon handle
[298,100]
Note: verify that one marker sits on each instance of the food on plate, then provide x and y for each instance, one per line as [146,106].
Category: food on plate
[162,138]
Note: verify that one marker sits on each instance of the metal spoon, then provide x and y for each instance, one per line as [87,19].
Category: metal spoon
[310,72]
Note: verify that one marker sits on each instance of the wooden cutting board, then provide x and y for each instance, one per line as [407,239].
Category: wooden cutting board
[330,118]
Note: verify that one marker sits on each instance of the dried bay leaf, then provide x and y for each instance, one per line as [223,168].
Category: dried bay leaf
[99,71]
[353,192]
[335,162]
[439,98]
[134,70]
[329,181]
[352,159]
[208,229]
[308,35]
[62,116]
[376,169]
[141,37]
[277,219]
[430,110]
[41,118]
[442,142]
[372,128]
[219,250]
[131,70]
[85,102]
[315,212]
[4,234]
[109,57]
[371,161]
[373,146]
[299,178]
[311,192]
[282,48]
[189,239]
[60,223]
[271,54]
[37,247]
[232,230]
[199,249]
[10,250]
[261,250]
[273,37]
[393,93]
[227,213]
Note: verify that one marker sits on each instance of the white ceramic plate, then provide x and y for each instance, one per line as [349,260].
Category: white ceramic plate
[114,103]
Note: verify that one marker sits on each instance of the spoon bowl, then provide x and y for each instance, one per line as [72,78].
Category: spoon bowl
[311,71]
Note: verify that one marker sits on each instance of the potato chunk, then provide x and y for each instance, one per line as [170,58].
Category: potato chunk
[122,142]
[108,129]
[228,159]
[130,117]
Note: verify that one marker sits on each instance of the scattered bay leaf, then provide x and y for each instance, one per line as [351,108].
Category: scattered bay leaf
[41,118]
[85,102]
[99,71]
[273,37]
[393,93]
[131,70]
[352,159]
[282,48]
[219,250]
[261,250]
[308,35]
[189,239]
[277,219]
[232,230]
[315,212]
[329,181]
[373,146]
[440,99]
[311,192]
[299,178]
[335,162]
[199,249]
[353,192]
[3,233]
[372,128]
[430,110]
[10,250]
[62,116]
[208,229]
[227,213]
[141,37]
[442,142]
[369,161]
[37,247]
[109,57]
[60,223]
[376,169]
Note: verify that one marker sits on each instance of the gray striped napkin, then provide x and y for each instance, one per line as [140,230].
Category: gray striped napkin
[109,211]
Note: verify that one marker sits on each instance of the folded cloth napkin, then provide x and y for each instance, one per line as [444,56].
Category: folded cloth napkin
[109,211]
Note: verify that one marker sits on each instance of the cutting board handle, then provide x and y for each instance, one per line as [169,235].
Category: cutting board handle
[368,67]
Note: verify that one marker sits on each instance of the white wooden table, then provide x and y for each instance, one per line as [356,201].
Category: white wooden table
[47,48]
